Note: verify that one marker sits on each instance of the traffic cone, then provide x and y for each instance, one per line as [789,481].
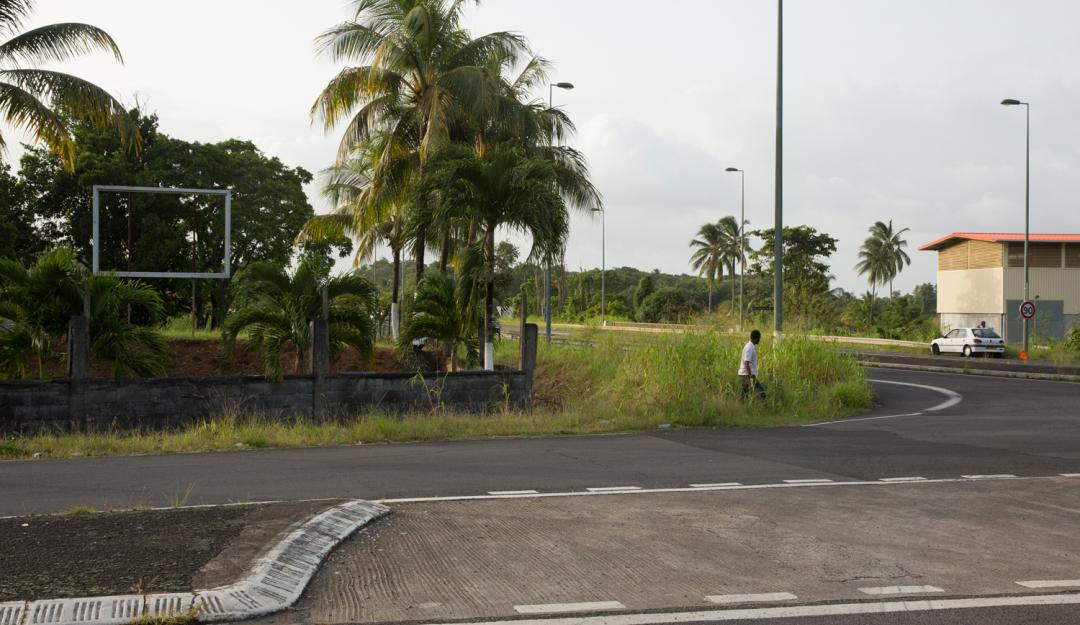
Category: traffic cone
[1023,356]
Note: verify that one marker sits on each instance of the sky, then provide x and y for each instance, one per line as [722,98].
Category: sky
[891,108]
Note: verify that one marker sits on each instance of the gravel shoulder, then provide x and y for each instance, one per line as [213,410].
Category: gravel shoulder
[139,551]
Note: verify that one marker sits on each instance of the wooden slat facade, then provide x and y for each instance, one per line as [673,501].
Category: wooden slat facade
[971,255]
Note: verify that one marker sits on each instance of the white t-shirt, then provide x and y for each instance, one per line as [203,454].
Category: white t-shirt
[749,355]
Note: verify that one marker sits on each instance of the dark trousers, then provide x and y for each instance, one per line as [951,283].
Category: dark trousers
[759,390]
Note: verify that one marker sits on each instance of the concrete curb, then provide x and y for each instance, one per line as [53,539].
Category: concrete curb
[1051,377]
[275,582]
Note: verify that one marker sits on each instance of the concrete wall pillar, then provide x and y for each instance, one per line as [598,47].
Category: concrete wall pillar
[78,370]
[529,342]
[319,364]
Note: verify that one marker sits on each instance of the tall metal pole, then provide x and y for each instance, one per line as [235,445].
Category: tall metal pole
[742,245]
[778,234]
[603,267]
[547,270]
[1027,212]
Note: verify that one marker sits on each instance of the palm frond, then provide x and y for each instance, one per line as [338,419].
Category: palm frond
[58,43]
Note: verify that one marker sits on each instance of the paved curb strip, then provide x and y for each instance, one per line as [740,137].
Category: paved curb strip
[274,584]
[1051,377]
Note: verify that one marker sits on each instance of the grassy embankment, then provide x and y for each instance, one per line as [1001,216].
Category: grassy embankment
[681,380]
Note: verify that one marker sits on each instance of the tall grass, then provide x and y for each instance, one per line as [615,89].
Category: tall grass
[682,380]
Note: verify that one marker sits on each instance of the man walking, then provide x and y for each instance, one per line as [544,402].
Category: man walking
[748,366]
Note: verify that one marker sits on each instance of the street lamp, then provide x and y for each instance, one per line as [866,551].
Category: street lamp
[742,238]
[778,228]
[1027,203]
[547,272]
[603,264]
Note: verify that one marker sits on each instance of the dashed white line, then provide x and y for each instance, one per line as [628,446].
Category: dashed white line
[813,481]
[902,479]
[717,485]
[899,590]
[1051,583]
[553,608]
[513,492]
[997,476]
[1070,475]
[804,611]
[612,489]
[752,598]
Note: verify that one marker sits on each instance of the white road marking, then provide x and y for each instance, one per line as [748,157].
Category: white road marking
[899,590]
[902,479]
[717,485]
[513,492]
[953,399]
[1051,583]
[612,489]
[813,481]
[653,491]
[551,608]
[804,611]
[996,476]
[754,598]
[1070,475]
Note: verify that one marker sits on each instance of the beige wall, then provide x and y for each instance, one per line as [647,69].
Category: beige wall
[1052,284]
[970,291]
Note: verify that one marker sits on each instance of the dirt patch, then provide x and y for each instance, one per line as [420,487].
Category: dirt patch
[108,553]
[201,358]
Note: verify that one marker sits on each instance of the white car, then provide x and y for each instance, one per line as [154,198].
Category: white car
[969,342]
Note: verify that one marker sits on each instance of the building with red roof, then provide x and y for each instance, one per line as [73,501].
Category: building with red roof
[981,278]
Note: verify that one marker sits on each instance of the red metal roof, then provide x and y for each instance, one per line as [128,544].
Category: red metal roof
[999,237]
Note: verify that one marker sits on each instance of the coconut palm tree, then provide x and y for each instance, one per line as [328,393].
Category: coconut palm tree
[877,263]
[411,65]
[710,255]
[731,247]
[893,247]
[37,302]
[45,102]
[506,189]
[276,309]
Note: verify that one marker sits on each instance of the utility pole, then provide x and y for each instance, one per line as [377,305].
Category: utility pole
[778,234]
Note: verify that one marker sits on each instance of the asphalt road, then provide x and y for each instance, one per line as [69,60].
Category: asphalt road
[1021,427]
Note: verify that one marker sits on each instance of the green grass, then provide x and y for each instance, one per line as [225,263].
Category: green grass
[180,328]
[683,380]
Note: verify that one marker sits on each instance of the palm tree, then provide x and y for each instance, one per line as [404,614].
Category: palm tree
[411,66]
[877,264]
[731,249]
[44,102]
[37,302]
[276,309]
[893,246]
[440,313]
[710,256]
[507,189]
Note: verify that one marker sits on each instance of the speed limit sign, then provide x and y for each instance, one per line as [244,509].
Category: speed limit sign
[1027,309]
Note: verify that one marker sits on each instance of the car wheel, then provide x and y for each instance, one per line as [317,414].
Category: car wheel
[935,350]
[967,351]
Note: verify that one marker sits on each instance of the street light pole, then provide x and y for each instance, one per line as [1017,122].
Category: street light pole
[603,264]
[1027,203]
[778,232]
[547,271]
[742,239]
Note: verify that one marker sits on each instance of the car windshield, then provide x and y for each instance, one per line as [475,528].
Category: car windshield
[985,333]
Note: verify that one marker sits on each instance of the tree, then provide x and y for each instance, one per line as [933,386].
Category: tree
[507,189]
[876,262]
[645,288]
[44,102]
[710,256]
[926,295]
[440,314]
[20,238]
[892,247]
[36,303]
[277,309]
[667,305]
[806,274]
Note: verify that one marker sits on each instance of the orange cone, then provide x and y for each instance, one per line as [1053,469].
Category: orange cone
[1023,356]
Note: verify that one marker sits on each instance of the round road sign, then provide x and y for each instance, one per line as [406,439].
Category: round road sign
[1027,309]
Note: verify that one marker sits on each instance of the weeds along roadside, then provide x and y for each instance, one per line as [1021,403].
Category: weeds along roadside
[686,380]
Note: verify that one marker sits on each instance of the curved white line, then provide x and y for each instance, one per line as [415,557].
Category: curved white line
[953,399]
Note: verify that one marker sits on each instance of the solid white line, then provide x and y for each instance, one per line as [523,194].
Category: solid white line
[1070,475]
[813,481]
[612,489]
[754,598]
[551,608]
[513,492]
[899,590]
[717,485]
[902,479]
[997,476]
[953,399]
[1051,583]
[653,491]
[891,416]
[805,611]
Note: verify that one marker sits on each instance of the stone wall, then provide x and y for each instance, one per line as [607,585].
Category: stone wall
[161,403]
